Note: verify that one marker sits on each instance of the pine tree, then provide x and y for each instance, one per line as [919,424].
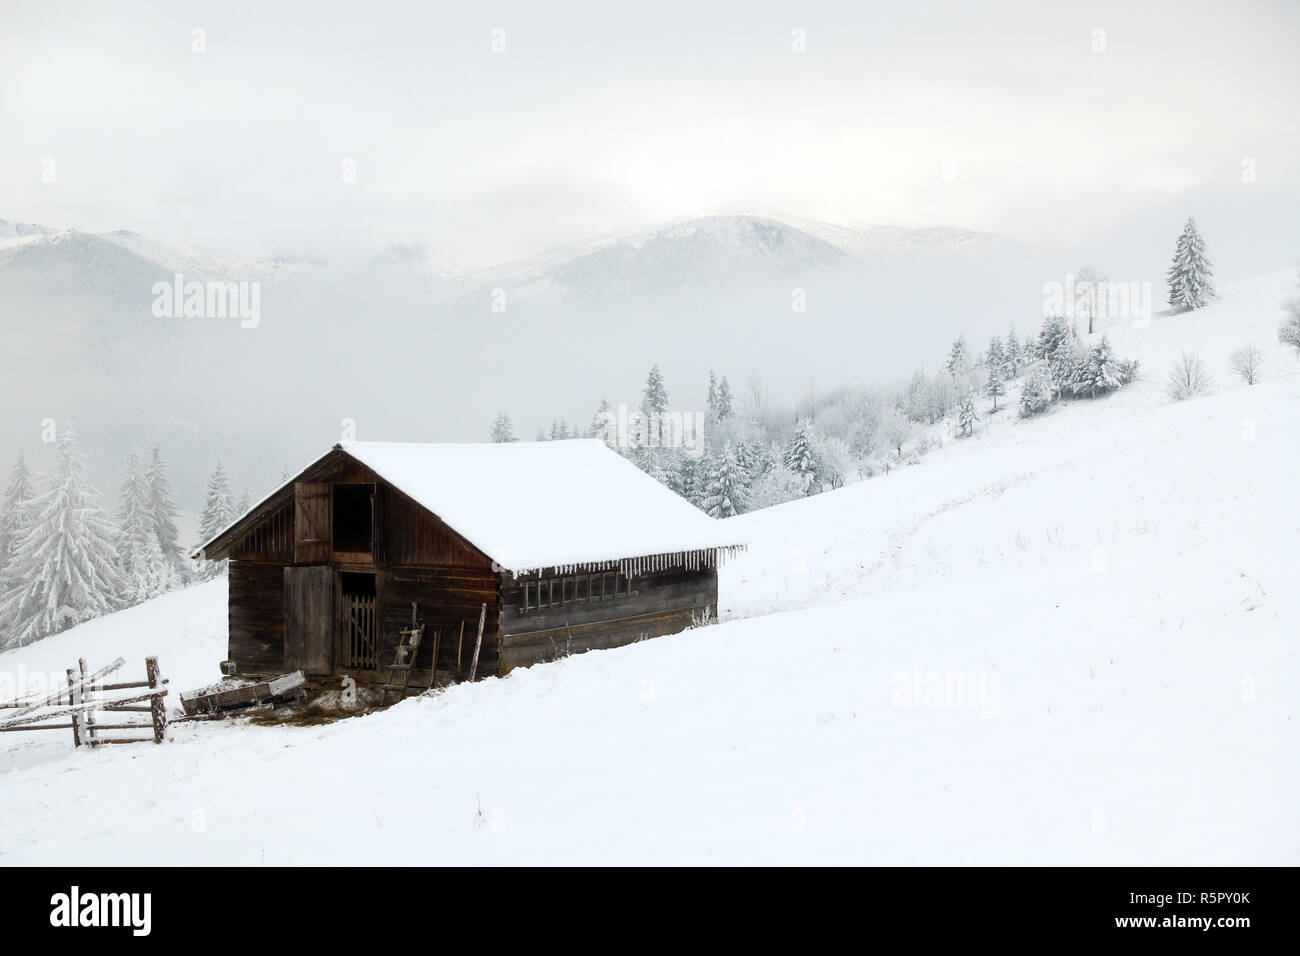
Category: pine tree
[967,416]
[502,429]
[162,511]
[1190,276]
[145,570]
[800,457]
[1014,359]
[64,566]
[682,477]
[1036,393]
[958,357]
[725,493]
[245,504]
[601,425]
[1102,372]
[1059,349]
[725,410]
[996,387]
[712,399]
[996,356]
[218,512]
[16,517]
[654,398]
[750,458]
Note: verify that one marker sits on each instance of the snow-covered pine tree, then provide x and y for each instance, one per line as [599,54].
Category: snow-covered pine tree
[16,517]
[1036,393]
[749,456]
[162,511]
[694,479]
[712,398]
[726,492]
[996,356]
[134,531]
[1102,372]
[1058,347]
[996,386]
[958,357]
[64,566]
[654,398]
[916,401]
[1190,276]
[245,504]
[145,570]
[725,409]
[600,424]
[503,430]
[1013,358]
[801,457]
[218,512]
[967,417]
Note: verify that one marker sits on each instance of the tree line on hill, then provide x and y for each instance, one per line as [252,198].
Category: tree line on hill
[756,454]
[65,559]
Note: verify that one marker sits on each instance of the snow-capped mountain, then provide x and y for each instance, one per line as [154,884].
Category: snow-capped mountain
[21,230]
[33,246]
[51,270]
[712,252]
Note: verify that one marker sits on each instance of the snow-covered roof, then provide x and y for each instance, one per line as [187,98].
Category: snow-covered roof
[529,505]
[541,504]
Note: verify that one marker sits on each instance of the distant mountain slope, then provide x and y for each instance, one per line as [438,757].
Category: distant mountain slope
[711,252]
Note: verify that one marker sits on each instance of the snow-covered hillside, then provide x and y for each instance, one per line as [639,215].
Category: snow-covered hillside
[1068,640]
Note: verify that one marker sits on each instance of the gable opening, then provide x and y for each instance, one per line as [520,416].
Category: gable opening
[353,517]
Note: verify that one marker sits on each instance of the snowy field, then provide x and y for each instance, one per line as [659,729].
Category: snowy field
[1070,640]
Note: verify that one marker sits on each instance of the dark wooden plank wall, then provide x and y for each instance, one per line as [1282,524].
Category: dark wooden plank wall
[446,597]
[256,617]
[270,539]
[406,534]
[665,602]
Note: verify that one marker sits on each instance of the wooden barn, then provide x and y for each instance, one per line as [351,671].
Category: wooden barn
[378,546]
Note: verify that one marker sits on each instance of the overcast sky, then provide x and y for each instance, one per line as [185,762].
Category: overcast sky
[598,118]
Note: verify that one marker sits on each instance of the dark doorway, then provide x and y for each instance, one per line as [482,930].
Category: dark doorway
[352,518]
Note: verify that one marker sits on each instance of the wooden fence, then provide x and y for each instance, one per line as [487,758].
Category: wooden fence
[80,707]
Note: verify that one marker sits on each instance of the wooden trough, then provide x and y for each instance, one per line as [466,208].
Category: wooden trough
[278,690]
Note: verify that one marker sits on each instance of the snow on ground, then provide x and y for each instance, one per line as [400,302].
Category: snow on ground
[1097,608]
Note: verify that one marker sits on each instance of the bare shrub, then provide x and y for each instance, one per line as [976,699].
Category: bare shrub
[1246,363]
[1189,377]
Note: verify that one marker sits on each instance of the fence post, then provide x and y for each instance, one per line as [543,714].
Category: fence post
[87,692]
[157,709]
[74,698]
